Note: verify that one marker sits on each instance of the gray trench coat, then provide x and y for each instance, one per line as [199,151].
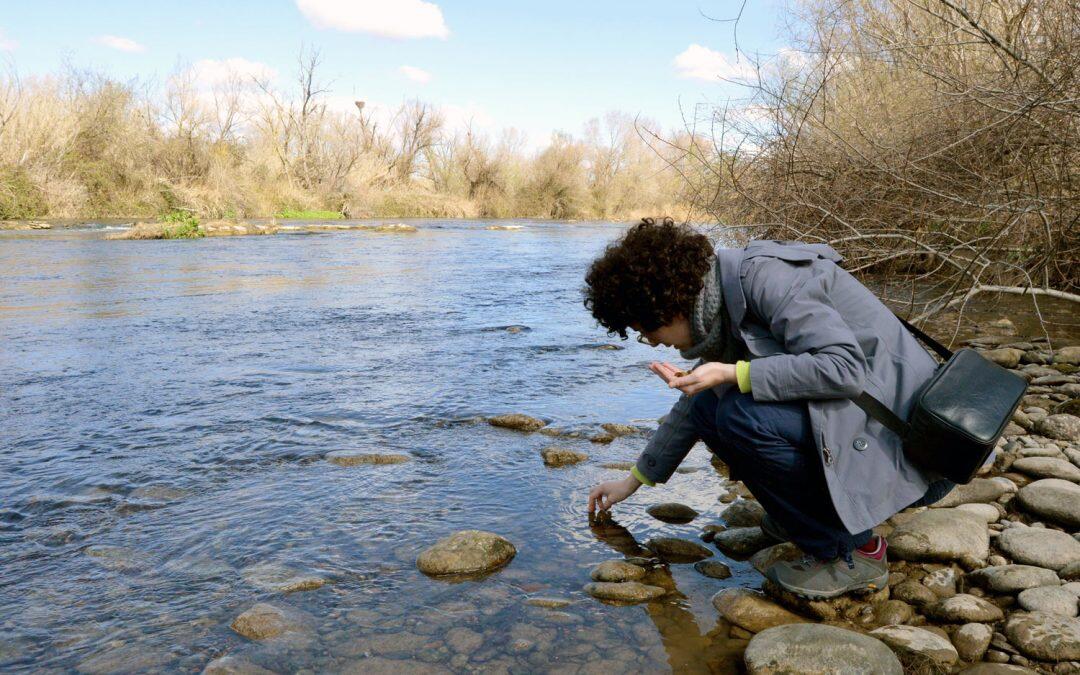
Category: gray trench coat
[815,333]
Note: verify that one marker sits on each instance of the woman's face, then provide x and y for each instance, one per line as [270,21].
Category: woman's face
[675,334]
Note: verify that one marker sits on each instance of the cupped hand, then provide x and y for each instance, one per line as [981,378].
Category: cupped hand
[705,376]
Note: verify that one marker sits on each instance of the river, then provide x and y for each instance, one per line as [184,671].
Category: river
[166,407]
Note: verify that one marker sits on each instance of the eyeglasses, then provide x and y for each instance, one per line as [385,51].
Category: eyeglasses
[645,341]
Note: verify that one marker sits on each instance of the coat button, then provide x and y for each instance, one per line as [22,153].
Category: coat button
[860,444]
[650,461]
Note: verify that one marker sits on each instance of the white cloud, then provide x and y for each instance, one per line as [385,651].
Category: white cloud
[209,72]
[386,18]
[118,43]
[6,43]
[415,74]
[702,63]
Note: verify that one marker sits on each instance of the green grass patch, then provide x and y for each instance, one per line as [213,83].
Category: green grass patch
[289,214]
[182,225]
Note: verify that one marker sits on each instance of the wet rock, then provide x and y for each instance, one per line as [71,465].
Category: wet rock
[234,665]
[1038,546]
[971,641]
[940,535]
[629,592]
[549,603]
[752,611]
[713,569]
[914,593]
[120,558]
[263,621]
[916,646]
[1048,599]
[1013,578]
[124,659]
[672,512]
[618,466]
[978,491]
[617,571]
[849,606]
[767,557]
[601,437]
[555,456]
[816,648]
[463,640]
[743,513]
[742,542]
[709,531]
[987,512]
[1047,467]
[893,612]
[675,550]
[159,493]
[281,579]
[466,552]
[1060,427]
[1006,357]
[965,608]
[1046,637]
[618,430]
[517,422]
[352,458]
[1054,499]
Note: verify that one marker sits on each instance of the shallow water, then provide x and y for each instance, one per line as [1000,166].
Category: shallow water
[175,400]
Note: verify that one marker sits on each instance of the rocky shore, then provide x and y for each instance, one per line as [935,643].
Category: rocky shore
[227,228]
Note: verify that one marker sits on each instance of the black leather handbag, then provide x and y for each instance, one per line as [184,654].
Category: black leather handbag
[958,415]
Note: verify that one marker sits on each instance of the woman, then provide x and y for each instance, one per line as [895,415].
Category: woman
[784,339]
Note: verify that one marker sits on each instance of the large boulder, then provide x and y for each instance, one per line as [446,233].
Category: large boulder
[917,646]
[1046,637]
[940,535]
[1062,427]
[626,592]
[1054,499]
[978,491]
[1047,467]
[1039,546]
[751,610]
[466,552]
[817,648]
[1013,578]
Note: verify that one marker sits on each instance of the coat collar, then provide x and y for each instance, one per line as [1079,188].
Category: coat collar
[730,260]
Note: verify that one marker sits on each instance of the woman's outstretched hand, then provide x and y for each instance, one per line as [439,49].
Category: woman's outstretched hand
[705,376]
[607,494]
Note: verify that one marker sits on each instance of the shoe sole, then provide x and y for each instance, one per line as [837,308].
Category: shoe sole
[873,585]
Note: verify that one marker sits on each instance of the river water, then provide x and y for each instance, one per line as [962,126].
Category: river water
[166,407]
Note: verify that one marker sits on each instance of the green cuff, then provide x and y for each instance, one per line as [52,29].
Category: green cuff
[742,374]
[644,481]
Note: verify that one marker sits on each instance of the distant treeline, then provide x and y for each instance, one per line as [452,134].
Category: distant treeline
[78,144]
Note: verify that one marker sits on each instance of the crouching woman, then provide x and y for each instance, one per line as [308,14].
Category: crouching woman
[784,339]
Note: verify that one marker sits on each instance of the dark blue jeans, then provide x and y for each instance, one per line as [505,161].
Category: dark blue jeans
[770,447]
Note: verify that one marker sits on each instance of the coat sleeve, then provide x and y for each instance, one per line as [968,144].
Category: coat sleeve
[823,359]
[670,444]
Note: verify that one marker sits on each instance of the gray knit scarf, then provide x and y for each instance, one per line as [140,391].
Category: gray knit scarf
[710,326]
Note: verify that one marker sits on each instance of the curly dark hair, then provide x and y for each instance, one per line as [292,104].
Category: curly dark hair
[649,276]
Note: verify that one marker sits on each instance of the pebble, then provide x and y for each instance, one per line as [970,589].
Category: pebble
[818,648]
[1049,599]
[1041,547]
[1054,499]
[917,644]
[466,552]
[971,641]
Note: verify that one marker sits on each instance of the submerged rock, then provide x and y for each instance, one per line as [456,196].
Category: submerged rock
[264,621]
[916,646]
[1013,578]
[466,552]
[549,603]
[234,665]
[672,512]
[713,569]
[675,550]
[940,535]
[751,610]
[1039,546]
[1054,499]
[629,592]
[517,422]
[555,456]
[817,648]
[616,571]
[618,430]
[352,458]
[281,579]
[742,542]
[1045,637]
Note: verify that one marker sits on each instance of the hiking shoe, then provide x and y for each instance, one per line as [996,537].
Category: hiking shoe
[820,579]
[774,530]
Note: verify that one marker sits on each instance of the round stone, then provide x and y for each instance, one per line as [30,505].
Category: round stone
[916,645]
[713,569]
[672,512]
[617,571]
[675,550]
[1047,467]
[742,542]
[1013,578]
[743,513]
[1049,599]
[517,422]
[628,592]
[752,611]
[466,552]
[978,491]
[1053,499]
[818,648]
[1039,546]
[965,608]
[941,535]
[1046,637]
[971,641]
[351,458]
[1062,427]
[555,456]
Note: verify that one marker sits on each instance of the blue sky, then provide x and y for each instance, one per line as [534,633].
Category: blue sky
[536,66]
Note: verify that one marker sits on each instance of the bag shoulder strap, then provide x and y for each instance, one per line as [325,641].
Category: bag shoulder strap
[879,410]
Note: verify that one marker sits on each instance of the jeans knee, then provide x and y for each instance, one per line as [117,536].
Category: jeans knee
[703,412]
